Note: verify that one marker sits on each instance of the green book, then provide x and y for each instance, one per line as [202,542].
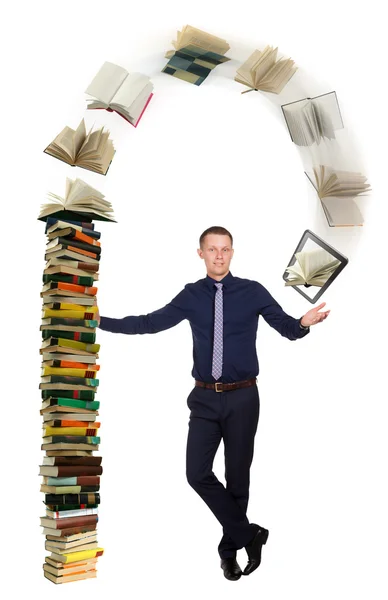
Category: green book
[75,394]
[70,335]
[77,279]
[59,401]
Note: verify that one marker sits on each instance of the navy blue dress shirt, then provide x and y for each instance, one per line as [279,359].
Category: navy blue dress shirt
[243,302]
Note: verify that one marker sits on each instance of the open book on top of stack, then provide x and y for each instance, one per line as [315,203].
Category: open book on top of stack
[114,89]
[261,71]
[311,119]
[93,150]
[81,201]
[195,56]
[337,190]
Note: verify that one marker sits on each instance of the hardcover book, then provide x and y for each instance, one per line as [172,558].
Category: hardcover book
[196,54]
[263,71]
[114,89]
[93,150]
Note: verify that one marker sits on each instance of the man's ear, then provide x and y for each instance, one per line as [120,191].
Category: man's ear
[199,252]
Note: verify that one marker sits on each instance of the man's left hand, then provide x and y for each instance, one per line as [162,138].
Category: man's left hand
[313,316]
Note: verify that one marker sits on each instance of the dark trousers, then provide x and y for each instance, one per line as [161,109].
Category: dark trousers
[232,416]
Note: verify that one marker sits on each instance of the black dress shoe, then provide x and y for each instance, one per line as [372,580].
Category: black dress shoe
[231,568]
[254,550]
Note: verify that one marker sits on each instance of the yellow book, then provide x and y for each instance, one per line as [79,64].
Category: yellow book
[68,371]
[74,556]
[72,344]
[68,314]
[81,307]
[68,431]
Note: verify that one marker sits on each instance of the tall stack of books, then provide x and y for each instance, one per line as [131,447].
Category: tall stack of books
[69,382]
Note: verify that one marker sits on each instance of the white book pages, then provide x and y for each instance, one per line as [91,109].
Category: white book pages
[129,91]
[107,81]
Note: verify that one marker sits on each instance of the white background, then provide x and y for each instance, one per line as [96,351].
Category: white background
[202,156]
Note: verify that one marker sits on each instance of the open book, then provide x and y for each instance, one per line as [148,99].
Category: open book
[336,190]
[314,264]
[196,54]
[80,199]
[312,268]
[263,72]
[114,89]
[92,151]
[311,119]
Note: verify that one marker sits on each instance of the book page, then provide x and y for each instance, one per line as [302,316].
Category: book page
[79,137]
[107,81]
[317,262]
[197,37]
[65,142]
[129,91]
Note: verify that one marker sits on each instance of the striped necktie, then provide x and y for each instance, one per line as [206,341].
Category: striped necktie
[218,330]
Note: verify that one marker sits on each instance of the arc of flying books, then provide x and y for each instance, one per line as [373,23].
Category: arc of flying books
[69,382]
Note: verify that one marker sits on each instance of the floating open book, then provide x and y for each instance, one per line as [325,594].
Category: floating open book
[311,119]
[93,151]
[114,89]
[313,264]
[196,54]
[336,190]
[263,72]
[80,199]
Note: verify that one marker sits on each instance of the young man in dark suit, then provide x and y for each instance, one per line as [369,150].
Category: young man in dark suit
[223,313]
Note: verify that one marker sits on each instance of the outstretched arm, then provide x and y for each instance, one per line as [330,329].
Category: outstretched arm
[173,313]
[275,316]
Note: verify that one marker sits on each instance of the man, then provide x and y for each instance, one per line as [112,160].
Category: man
[223,312]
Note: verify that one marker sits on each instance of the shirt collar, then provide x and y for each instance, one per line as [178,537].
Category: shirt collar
[226,281]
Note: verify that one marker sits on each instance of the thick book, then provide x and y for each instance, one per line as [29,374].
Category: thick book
[56,329]
[91,461]
[64,514]
[75,235]
[64,576]
[80,198]
[93,150]
[264,71]
[88,431]
[69,372]
[72,344]
[76,546]
[313,266]
[309,120]
[84,280]
[71,439]
[68,489]
[74,480]
[80,336]
[72,452]
[196,54]
[68,522]
[73,244]
[89,359]
[70,420]
[72,470]
[71,252]
[67,364]
[67,379]
[81,314]
[62,543]
[68,531]
[114,89]
[69,447]
[72,399]
[53,224]
[88,303]
[67,289]
[75,556]
[88,324]
[71,267]
[72,498]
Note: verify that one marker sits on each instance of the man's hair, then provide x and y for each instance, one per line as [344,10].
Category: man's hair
[217,230]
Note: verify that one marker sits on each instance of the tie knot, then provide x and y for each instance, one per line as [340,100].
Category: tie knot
[219,285]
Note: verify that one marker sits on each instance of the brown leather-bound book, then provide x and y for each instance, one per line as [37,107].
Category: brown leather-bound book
[77,460]
[69,530]
[71,470]
[68,522]
[78,480]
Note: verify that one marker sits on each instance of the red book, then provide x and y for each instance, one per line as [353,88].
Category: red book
[125,118]
[69,522]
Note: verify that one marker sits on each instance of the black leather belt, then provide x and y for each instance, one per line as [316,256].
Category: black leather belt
[226,387]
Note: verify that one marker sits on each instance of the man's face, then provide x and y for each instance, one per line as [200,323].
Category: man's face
[217,253]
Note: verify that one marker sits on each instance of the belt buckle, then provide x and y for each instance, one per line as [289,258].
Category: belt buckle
[215,386]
